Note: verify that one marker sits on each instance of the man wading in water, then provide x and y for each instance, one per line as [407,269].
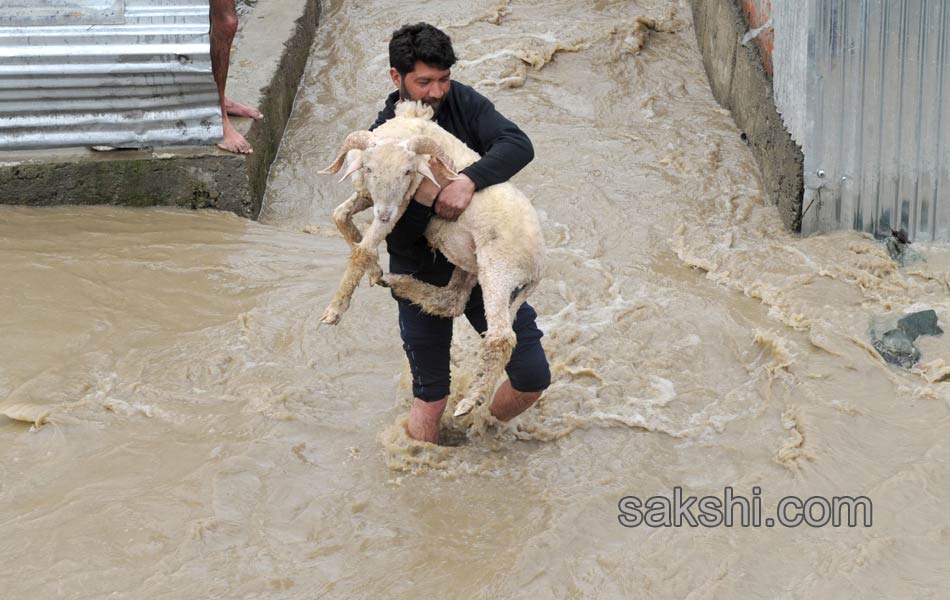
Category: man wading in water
[420,59]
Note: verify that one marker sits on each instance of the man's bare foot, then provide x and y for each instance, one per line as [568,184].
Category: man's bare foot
[234,141]
[241,110]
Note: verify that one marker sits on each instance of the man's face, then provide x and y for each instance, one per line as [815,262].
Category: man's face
[425,83]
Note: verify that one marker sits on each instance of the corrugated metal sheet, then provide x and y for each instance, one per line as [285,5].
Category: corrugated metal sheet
[790,62]
[875,127]
[127,73]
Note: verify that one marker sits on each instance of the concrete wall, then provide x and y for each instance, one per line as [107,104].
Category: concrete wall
[740,83]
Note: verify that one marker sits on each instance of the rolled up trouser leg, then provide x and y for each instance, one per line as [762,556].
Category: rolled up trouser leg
[427,340]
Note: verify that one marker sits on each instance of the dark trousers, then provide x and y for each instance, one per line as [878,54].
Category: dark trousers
[427,340]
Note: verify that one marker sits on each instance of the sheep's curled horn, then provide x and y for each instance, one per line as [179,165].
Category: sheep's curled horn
[361,140]
[358,140]
[422,144]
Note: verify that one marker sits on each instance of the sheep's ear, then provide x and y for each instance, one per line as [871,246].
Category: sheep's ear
[447,171]
[354,162]
[423,168]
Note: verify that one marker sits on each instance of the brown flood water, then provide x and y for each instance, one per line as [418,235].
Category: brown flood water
[200,437]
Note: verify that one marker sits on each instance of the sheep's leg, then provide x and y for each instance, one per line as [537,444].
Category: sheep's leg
[498,291]
[448,301]
[363,257]
[343,217]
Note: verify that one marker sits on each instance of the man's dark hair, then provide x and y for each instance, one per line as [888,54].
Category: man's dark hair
[420,42]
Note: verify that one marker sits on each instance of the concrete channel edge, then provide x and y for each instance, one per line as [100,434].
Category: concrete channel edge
[740,84]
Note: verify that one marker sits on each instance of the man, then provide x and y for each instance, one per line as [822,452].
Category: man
[224,25]
[420,59]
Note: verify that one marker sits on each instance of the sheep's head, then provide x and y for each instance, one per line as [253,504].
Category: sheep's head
[391,169]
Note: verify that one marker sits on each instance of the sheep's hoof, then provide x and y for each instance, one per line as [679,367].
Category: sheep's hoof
[376,277]
[464,407]
[331,316]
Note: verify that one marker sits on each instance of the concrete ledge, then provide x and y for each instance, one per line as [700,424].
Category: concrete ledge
[270,52]
[739,83]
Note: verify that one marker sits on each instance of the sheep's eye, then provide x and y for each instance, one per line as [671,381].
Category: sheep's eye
[408,172]
[367,169]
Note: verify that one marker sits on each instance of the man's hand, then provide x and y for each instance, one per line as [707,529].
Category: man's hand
[455,197]
[427,191]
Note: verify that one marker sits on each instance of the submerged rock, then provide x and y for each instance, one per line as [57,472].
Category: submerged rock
[898,246]
[920,323]
[896,344]
[896,347]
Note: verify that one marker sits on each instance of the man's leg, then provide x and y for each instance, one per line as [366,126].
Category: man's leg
[528,371]
[424,420]
[223,27]
[427,341]
[508,402]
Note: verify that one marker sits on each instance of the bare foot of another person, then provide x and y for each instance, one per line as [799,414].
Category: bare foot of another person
[234,141]
[241,110]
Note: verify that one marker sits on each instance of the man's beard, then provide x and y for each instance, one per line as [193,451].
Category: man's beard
[435,105]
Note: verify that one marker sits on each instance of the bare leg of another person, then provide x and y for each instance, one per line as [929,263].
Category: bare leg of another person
[223,27]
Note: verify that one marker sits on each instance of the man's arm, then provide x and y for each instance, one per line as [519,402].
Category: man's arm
[408,229]
[507,148]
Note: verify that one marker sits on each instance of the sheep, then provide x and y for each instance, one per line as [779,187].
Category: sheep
[496,241]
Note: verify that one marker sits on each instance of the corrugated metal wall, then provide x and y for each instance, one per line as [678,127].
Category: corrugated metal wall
[790,18]
[864,86]
[126,73]
[881,117]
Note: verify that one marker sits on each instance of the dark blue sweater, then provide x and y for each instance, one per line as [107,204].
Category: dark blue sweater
[504,150]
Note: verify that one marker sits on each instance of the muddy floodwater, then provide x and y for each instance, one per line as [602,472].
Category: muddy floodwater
[176,425]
